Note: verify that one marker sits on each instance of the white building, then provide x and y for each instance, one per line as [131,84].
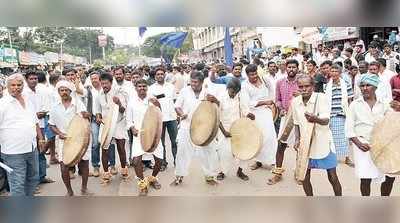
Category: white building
[210,41]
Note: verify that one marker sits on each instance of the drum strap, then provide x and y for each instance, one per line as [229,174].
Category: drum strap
[89,100]
[240,108]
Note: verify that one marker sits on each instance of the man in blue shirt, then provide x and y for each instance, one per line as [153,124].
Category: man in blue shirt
[222,77]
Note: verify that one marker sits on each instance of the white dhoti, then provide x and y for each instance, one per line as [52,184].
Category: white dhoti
[226,159]
[270,144]
[186,150]
[364,166]
[137,149]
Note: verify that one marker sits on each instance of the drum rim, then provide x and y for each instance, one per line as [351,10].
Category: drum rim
[214,131]
[261,139]
[85,145]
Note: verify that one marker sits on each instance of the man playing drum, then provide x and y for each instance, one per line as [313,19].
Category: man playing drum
[135,114]
[60,117]
[232,107]
[364,112]
[104,103]
[258,92]
[311,118]
[187,102]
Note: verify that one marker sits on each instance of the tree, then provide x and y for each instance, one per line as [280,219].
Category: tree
[119,56]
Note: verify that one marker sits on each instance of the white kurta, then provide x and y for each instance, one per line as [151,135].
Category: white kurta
[359,123]
[188,102]
[231,109]
[134,117]
[263,120]
[103,104]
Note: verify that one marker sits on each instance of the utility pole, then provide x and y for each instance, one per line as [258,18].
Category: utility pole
[90,54]
[9,38]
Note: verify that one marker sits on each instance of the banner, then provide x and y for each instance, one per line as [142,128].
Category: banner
[102,40]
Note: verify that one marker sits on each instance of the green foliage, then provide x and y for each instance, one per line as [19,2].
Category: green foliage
[77,42]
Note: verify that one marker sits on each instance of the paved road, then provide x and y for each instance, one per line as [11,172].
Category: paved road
[194,184]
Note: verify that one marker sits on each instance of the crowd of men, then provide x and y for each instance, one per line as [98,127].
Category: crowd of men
[342,92]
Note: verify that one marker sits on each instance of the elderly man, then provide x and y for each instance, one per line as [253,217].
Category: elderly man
[61,116]
[18,131]
[362,116]
[311,122]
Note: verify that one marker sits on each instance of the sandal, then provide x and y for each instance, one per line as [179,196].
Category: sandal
[143,186]
[106,178]
[256,165]
[242,176]
[221,176]
[211,181]
[154,182]
[177,181]
[274,179]
[277,175]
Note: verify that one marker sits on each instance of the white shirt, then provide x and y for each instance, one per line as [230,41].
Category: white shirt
[369,58]
[167,103]
[322,142]
[17,126]
[255,94]
[324,58]
[44,95]
[126,87]
[135,112]
[61,116]
[387,74]
[188,102]
[104,101]
[361,119]
[232,109]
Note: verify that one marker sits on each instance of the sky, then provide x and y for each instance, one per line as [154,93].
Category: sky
[130,35]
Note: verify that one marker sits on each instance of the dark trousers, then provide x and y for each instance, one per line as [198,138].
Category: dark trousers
[172,128]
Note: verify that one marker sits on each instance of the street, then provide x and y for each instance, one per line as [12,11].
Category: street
[194,184]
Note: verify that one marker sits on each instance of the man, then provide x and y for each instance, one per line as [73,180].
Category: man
[339,94]
[259,94]
[312,110]
[222,77]
[273,73]
[60,117]
[363,114]
[348,54]
[232,107]
[390,57]
[297,56]
[31,79]
[104,102]
[135,114]
[318,53]
[311,68]
[321,79]
[128,75]
[128,90]
[383,71]
[19,131]
[165,92]
[383,91]
[286,90]
[373,52]
[325,56]
[187,102]
[395,84]
[95,90]
[363,69]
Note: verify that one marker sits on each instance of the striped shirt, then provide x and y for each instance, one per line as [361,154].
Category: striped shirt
[337,108]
